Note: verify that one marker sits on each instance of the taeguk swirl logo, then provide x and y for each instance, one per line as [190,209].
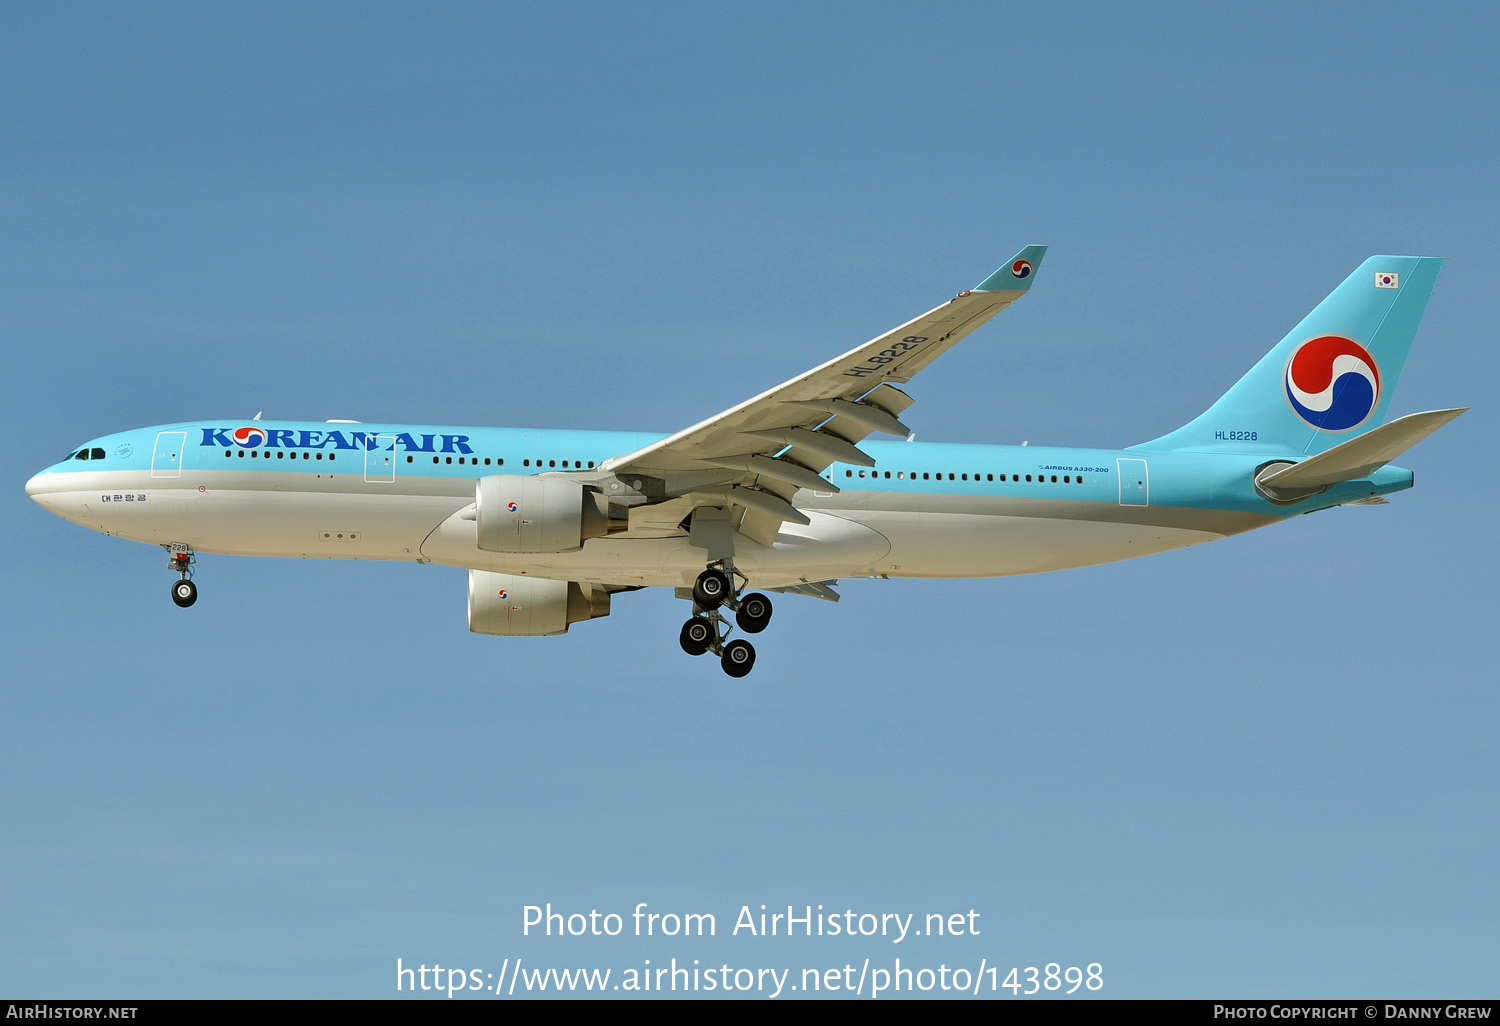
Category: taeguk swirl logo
[1332,382]
[249,437]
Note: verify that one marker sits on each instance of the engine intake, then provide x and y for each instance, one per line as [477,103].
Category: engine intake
[520,513]
[509,605]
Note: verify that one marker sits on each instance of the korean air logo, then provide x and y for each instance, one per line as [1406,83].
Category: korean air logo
[512,506]
[1021,269]
[1332,382]
[504,593]
[249,437]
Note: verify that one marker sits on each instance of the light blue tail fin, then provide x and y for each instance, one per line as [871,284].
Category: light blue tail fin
[1333,375]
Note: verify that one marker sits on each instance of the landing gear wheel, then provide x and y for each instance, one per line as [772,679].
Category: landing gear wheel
[754,614]
[696,637]
[711,588]
[738,657]
[184,593]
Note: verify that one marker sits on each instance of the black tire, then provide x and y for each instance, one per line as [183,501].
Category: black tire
[754,614]
[711,589]
[696,637]
[184,593]
[738,658]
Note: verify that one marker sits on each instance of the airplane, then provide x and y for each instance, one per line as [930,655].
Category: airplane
[783,493]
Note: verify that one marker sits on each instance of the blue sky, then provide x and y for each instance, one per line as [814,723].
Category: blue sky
[1263,767]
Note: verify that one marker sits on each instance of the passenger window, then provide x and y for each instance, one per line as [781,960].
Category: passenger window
[989,477]
[966,477]
[279,454]
[408,459]
[524,463]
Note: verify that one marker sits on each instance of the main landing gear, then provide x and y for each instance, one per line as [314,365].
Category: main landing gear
[180,560]
[707,629]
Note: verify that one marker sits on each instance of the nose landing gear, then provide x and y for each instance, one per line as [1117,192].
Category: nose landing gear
[184,593]
[180,560]
[707,629]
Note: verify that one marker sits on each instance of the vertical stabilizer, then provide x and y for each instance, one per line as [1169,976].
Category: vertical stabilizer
[1331,378]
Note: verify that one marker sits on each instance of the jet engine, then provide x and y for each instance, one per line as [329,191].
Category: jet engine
[517,513]
[515,606]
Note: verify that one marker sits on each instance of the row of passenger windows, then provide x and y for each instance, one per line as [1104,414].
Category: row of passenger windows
[901,475]
[280,454]
[473,461]
[85,454]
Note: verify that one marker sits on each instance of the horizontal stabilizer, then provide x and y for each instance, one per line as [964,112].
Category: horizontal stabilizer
[1356,458]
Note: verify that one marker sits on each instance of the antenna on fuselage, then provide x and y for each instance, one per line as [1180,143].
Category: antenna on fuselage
[257,415]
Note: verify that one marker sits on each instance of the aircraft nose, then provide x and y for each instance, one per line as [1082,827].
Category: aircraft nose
[43,489]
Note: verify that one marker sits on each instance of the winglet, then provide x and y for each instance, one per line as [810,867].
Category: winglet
[1017,274]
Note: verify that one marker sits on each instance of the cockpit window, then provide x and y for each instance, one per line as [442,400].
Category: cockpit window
[81,454]
[71,455]
[96,454]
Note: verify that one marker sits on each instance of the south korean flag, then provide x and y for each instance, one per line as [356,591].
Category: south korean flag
[1387,280]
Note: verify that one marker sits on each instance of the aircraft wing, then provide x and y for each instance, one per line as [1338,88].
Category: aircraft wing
[756,455]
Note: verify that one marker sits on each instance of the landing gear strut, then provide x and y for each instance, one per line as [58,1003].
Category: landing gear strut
[180,560]
[708,628]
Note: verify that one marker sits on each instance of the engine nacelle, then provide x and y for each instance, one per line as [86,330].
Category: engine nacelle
[526,606]
[517,513]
